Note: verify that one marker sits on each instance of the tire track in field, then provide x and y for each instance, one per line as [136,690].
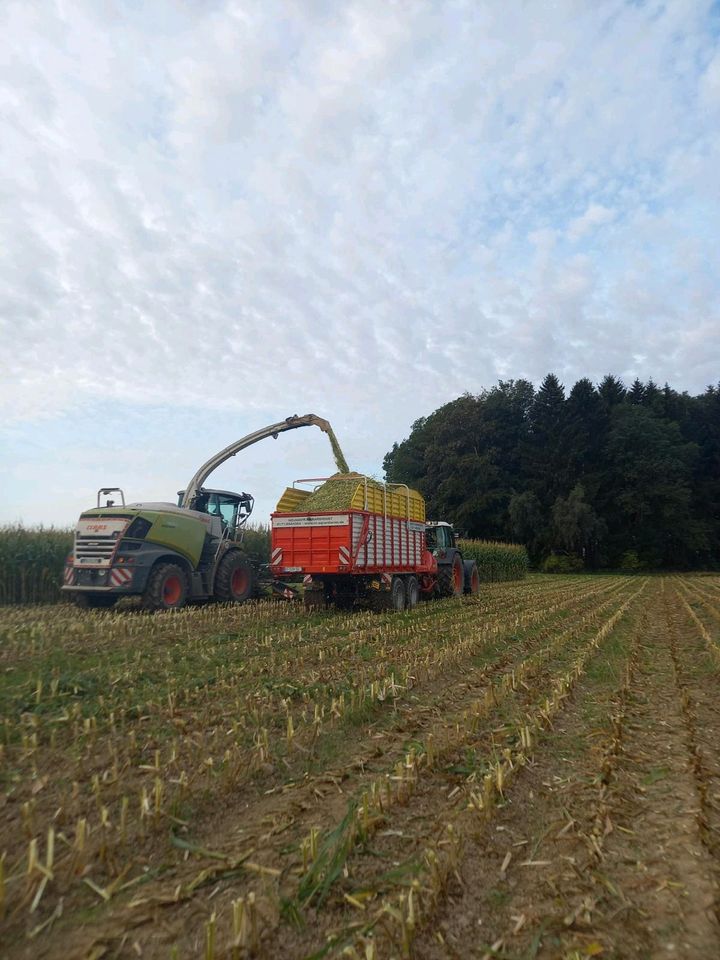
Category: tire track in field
[656,860]
[440,798]
[696,676]
[301,806]
[528,878]
[631,876]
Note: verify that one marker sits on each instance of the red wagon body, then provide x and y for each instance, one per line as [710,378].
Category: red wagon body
[348,542]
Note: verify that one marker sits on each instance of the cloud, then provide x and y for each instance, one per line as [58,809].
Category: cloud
[596,215]
[362,209]
[709,84]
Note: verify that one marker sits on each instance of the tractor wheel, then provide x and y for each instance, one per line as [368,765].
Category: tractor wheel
[166,588]
[314,599]
[94,601]
[472,578]
[451,578]
[235,578]
[412,592]
[397,595]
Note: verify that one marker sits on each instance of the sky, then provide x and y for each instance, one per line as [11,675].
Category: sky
[217,214]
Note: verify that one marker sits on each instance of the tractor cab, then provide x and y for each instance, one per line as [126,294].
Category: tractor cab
[439,537]
[233,509]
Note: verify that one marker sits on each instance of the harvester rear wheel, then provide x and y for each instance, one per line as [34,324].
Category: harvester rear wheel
[235,578]
[166,588]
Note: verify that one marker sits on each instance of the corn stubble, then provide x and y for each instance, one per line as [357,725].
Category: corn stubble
[155,759]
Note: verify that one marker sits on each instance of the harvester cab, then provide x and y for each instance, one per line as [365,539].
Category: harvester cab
[233,509]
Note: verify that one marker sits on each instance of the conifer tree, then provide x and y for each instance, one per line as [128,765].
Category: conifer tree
[636,394]
[640,469]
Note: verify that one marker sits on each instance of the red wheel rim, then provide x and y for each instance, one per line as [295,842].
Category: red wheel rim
[458,577]
[239,581]
[172,590]
[475,582]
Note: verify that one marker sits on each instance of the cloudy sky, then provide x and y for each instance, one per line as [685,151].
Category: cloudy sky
[216,214]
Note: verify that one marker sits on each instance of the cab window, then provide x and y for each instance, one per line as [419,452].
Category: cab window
[445,537]
[228,510]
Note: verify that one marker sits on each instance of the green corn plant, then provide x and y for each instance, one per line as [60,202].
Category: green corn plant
[496,561]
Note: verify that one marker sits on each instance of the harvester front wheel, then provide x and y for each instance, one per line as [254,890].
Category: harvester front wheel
[235,578]
[166,588]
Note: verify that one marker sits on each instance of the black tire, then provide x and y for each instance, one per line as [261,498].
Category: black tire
[379,600]
[166,588]
[397,595]
[314,599]
[235,578]
[412,592]
[94,601]
[472,578]
[451,578]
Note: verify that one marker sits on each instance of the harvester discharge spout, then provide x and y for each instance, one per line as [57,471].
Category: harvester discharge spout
[290,423]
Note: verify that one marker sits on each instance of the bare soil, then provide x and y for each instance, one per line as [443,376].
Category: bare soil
[613,834]
[600,835]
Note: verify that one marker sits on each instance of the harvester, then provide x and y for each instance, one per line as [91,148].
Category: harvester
[167,553]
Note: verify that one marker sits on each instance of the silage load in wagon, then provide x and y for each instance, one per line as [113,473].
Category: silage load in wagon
[353,491]
[335,494]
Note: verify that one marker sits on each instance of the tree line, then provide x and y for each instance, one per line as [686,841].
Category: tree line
[602,476]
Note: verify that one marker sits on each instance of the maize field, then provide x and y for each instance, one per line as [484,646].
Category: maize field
[32,559]
[31,563]
[532,772]
[496,561]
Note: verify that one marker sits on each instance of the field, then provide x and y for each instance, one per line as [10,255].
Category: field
[534,772]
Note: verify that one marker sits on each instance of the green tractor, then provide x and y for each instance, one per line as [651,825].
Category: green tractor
[167,553]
